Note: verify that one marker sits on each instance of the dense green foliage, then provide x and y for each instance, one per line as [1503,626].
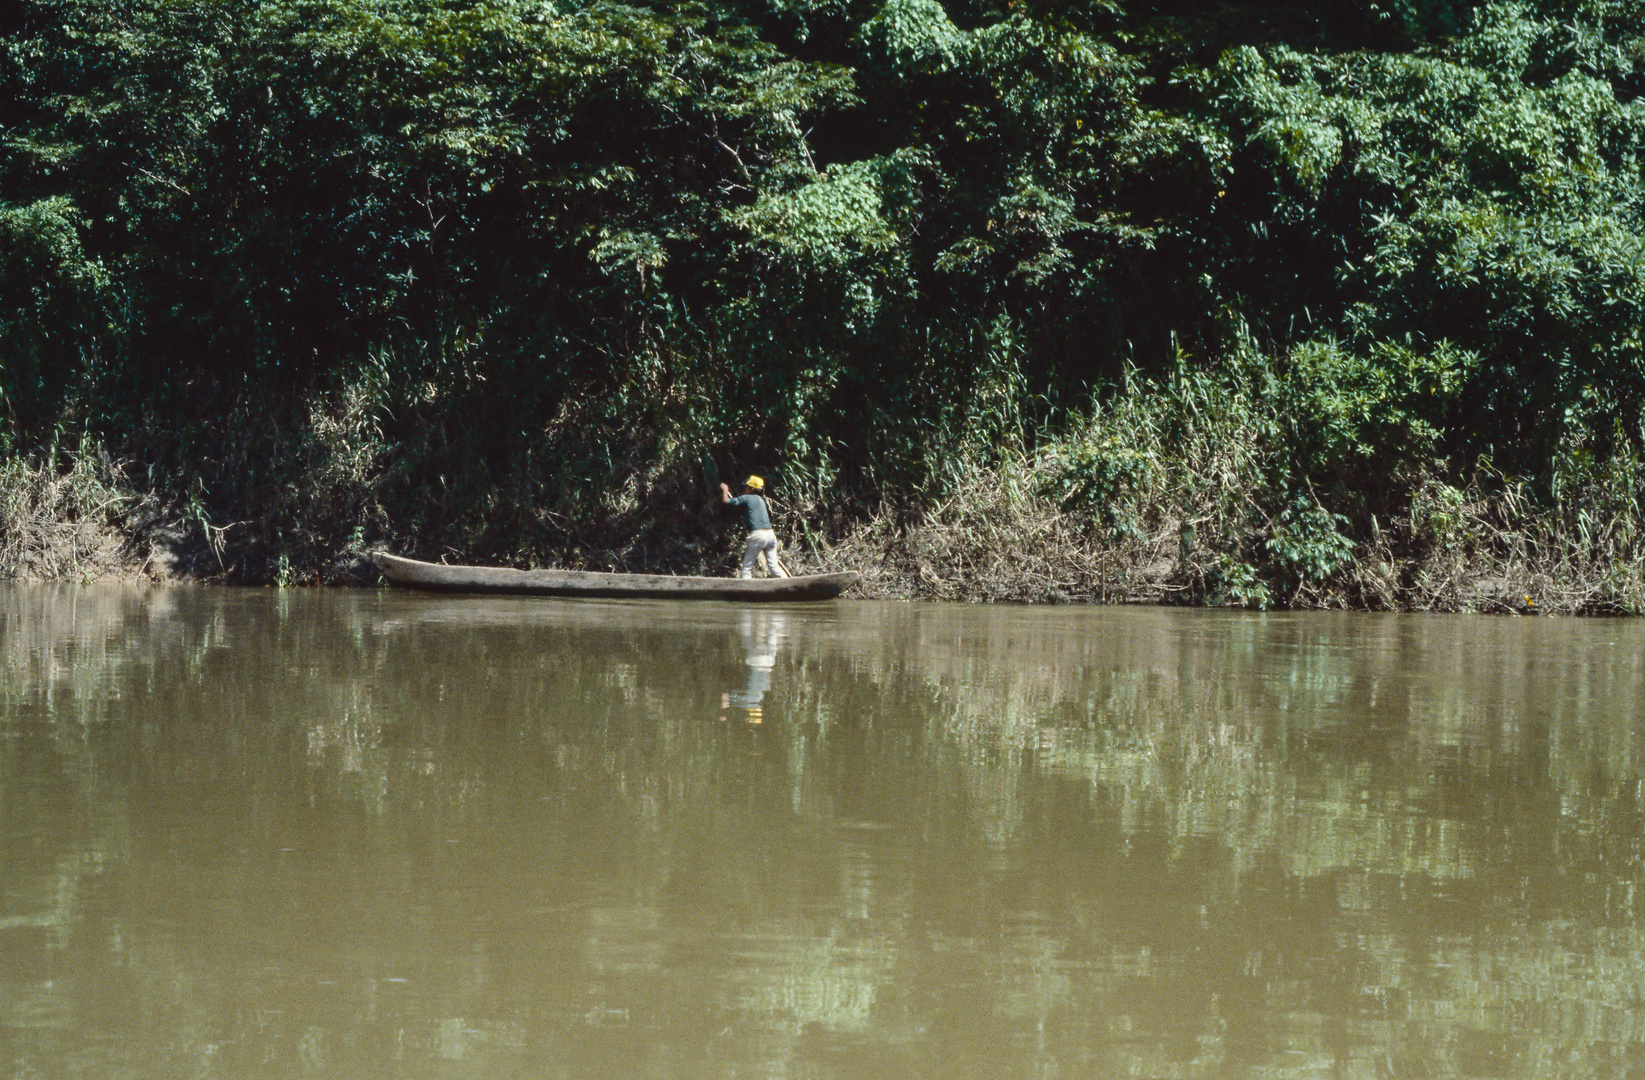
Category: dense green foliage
[523,276]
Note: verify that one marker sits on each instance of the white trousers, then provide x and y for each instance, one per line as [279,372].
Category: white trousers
[762,542]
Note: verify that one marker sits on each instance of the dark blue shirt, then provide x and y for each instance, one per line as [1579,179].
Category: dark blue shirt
[755,515]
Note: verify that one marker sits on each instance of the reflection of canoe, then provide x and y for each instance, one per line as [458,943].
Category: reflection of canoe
[486,579]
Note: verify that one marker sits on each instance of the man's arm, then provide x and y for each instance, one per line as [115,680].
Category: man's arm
[725,494]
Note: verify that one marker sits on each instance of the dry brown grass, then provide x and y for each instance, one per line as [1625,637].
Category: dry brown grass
[60,517]
[1490,547]
[995,538]
[1186,522]
[999,536]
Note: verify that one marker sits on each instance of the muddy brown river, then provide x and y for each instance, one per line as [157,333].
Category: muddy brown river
[364,834]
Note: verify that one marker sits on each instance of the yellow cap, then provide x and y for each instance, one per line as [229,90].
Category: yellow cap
[756,483]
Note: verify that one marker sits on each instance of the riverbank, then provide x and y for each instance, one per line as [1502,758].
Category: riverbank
[1000,536]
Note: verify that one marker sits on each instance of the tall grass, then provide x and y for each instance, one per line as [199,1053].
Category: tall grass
[1194,490]
[63,514]
[1320,479]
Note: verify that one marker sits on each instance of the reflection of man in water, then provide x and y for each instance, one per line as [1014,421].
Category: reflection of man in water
[762,632]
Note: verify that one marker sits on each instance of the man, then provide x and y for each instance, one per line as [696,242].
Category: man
[761,539]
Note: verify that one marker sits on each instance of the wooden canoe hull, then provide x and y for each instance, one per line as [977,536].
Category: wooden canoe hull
[437,577]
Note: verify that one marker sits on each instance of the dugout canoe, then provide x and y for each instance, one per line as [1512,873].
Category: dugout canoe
[438,577]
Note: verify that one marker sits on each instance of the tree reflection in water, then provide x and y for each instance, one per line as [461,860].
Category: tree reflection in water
[286,833]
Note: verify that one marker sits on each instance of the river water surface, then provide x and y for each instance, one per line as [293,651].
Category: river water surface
[363,834]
